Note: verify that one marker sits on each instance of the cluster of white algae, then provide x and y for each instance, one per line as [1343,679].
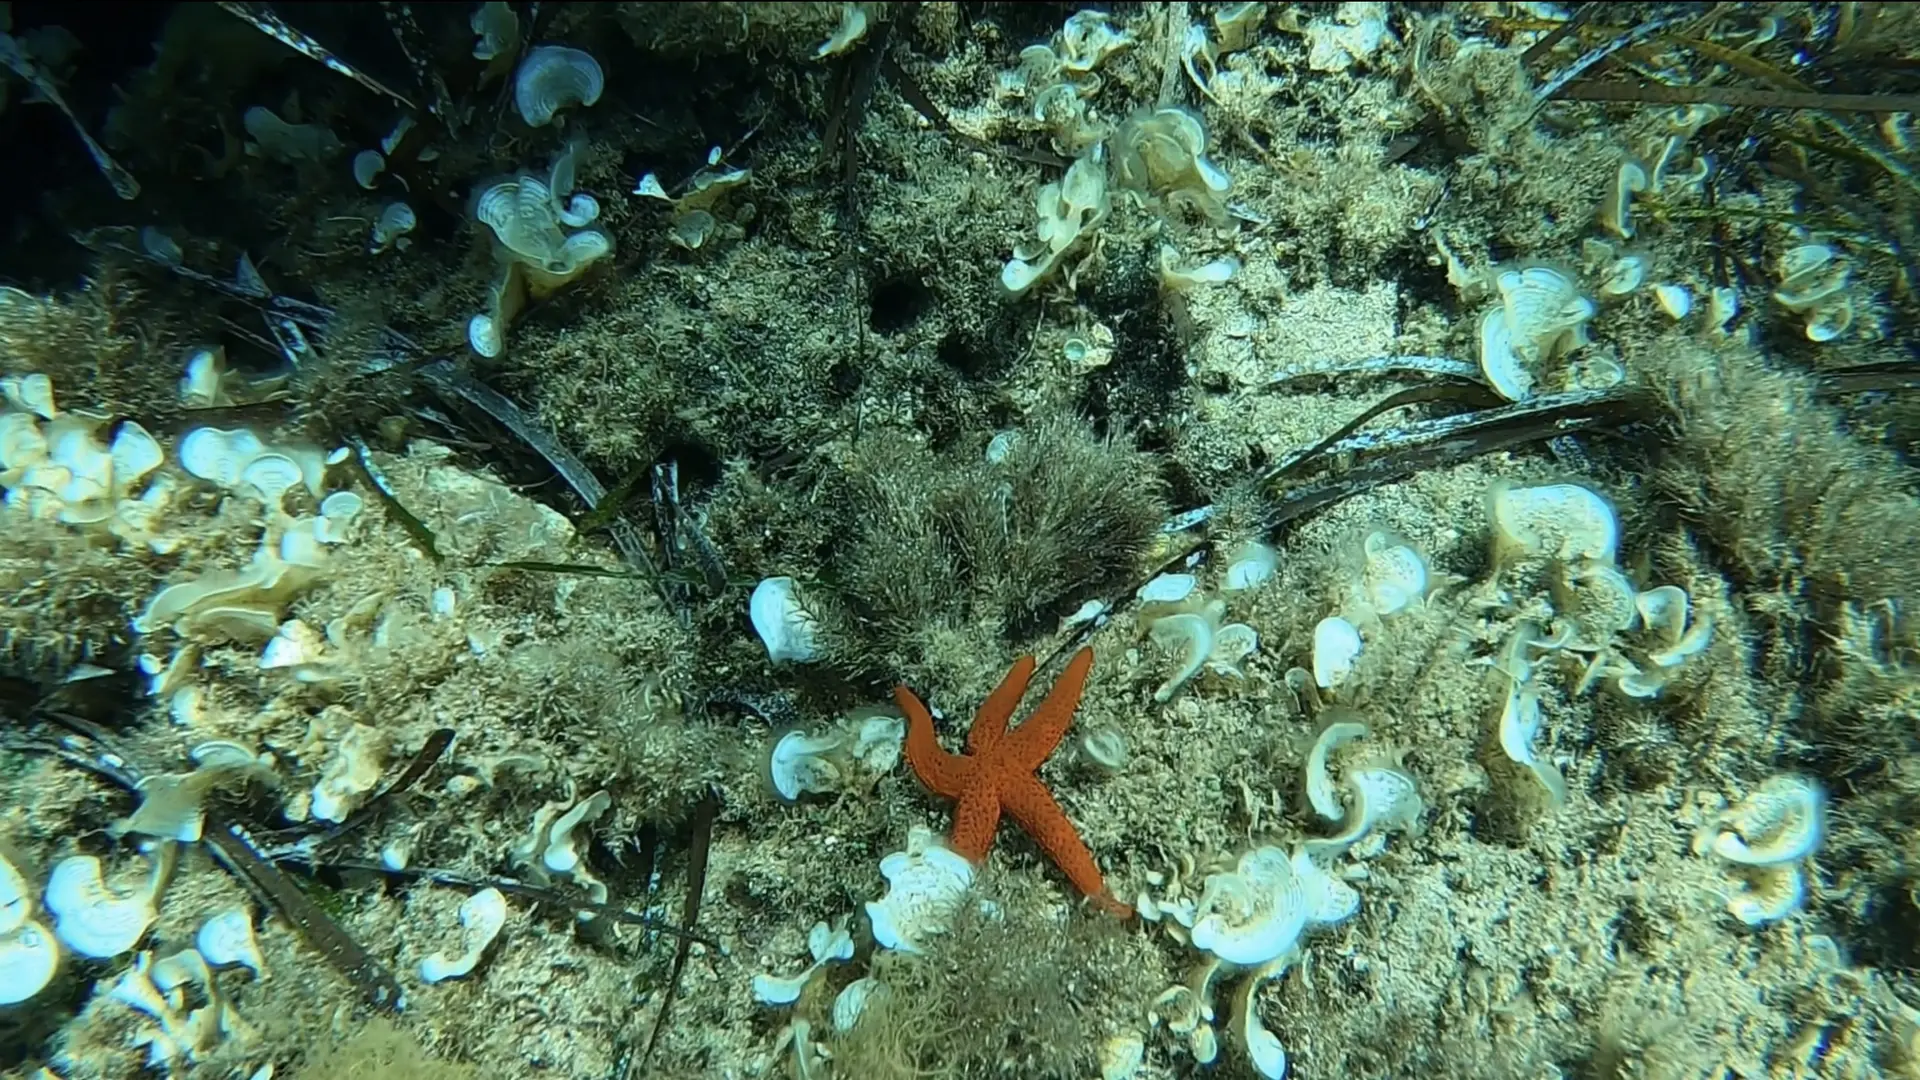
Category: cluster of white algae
[1491,771]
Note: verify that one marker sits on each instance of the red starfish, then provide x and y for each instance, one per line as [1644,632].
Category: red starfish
[996,772]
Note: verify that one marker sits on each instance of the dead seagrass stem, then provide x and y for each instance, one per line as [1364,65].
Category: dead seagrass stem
[265,21]
[15,59]
[1738,97]
[231,847]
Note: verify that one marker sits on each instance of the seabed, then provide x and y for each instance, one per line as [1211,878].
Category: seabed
[515,515]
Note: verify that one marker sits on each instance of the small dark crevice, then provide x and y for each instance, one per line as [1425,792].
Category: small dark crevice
[1421,282]
[700,467]
[844,379]
[1879,933]
[897,302]
[962,355]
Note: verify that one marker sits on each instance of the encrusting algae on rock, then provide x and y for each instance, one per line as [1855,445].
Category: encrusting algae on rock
[503,460]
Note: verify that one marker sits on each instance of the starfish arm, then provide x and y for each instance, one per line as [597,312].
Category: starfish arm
[943,773]
[975,817]
[1034,739]
[991,721]
[1033,808]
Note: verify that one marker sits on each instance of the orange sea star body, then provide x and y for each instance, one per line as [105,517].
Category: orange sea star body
[996,772]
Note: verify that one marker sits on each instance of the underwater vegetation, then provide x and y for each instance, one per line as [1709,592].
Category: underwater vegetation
[948,556]
[379,1049]
[507,509]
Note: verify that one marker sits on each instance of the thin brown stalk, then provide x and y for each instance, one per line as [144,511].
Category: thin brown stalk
[1738,97]
[1556,35]
[697,849]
